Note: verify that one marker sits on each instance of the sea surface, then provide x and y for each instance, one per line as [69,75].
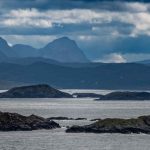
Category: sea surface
[57,139]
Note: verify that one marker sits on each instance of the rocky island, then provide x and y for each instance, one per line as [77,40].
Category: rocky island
[115,125]
[34,91]
[126,96]
[17,122]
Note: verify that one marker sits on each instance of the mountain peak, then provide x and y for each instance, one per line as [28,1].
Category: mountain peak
[63,41]
[3,43]
[64,50]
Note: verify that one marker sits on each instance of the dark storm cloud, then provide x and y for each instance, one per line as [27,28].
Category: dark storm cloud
[113,5]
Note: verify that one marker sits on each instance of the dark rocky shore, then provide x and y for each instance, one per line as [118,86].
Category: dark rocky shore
[114,125]
[17,122]
[34,91]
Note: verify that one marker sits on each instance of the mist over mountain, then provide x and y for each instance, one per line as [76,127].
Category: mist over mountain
[62,50]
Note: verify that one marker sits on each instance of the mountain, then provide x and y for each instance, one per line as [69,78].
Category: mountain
[102,76]
[6,49]
[63,50]
[30,60]
[34,91]
[3,57]
[25,50]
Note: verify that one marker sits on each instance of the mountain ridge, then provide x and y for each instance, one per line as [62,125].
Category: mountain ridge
[103,76]
[62,50]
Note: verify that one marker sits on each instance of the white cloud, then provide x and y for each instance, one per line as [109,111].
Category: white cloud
[112,58]
[136,57]
[139,17]
[137,7]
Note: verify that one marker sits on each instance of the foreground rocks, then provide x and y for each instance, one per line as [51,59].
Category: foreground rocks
[126,96]
[124,126]
[35,91]
[17,122]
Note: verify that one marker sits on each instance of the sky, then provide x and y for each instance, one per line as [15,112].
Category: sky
[106,31]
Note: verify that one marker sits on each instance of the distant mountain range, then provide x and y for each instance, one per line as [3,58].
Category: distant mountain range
[62,64]
[146,62]
[90,76]
[62,50]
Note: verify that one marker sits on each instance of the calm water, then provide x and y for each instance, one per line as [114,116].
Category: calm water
[59,140]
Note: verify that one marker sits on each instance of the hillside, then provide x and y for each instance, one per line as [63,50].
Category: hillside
[102,76]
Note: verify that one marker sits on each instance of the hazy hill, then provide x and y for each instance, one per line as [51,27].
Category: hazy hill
[2,57]
[103,76]
[146,62]
[24,50]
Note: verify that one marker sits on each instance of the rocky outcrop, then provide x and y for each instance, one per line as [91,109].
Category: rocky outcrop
[126,96]
[65,118]
[114,125]
[86,95]
[17,122]
[35,91]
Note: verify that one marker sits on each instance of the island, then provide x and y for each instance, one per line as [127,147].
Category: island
[126,95]
[34,91]
[17,122]
[115,125]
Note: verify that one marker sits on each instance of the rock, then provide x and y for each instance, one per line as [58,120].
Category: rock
[17,122]
[114,125]
[126,96]
[85,95]
[65,118]
[34,91]
[80,119]
[59,118]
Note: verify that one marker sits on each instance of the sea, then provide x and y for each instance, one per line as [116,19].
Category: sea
[58,139]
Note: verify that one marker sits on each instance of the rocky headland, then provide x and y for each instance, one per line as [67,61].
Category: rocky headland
[126,96]
[34,91]
[17,122]
[115,125]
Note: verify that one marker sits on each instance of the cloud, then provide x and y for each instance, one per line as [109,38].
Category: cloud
[33,18]
[136,57]
[111,5]
[112,58]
